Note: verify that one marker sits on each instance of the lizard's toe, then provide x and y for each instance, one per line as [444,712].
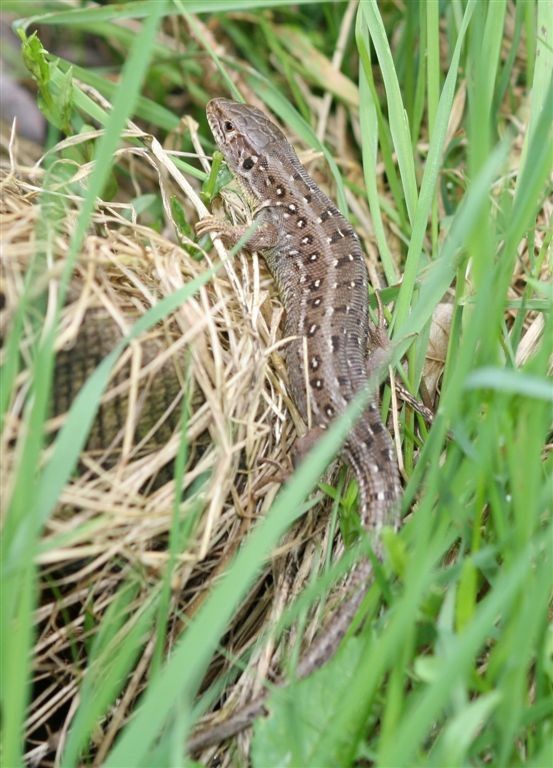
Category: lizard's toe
[208,225]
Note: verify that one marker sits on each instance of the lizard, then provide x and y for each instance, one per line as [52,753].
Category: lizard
[317,262]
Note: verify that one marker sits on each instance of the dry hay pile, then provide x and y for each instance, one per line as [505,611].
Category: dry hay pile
[221,350]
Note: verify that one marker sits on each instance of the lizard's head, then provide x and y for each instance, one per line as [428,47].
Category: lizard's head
[245,137]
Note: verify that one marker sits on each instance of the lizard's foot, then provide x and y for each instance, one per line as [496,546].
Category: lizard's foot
[211,224]
[281,475]
[415,404]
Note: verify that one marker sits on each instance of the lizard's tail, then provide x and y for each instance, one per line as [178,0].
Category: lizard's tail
[370,453]
[319,652]
[236,723]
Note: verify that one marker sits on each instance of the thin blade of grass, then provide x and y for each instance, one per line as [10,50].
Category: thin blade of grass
[399,124]
[141,9]
[369,128]
[512,382]
[430,178]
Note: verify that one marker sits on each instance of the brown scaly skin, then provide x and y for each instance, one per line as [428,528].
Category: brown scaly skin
[316,260]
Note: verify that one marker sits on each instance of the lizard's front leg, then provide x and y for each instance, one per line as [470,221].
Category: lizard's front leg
[263,238]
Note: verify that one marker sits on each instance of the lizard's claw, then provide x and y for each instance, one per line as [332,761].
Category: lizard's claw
[208,225]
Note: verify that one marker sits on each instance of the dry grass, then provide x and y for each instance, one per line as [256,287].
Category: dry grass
[223,347]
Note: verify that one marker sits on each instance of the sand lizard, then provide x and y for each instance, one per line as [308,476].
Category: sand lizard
[317,262]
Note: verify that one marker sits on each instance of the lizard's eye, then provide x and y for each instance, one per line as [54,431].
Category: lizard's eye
[228,126]
[248,164]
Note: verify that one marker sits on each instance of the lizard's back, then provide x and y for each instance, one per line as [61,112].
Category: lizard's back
[319,267]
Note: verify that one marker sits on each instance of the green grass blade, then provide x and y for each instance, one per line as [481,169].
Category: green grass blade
[369,129]
[542,94]
[512,382]
[437,277]
[430,178]
[143,9]
[399,124]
